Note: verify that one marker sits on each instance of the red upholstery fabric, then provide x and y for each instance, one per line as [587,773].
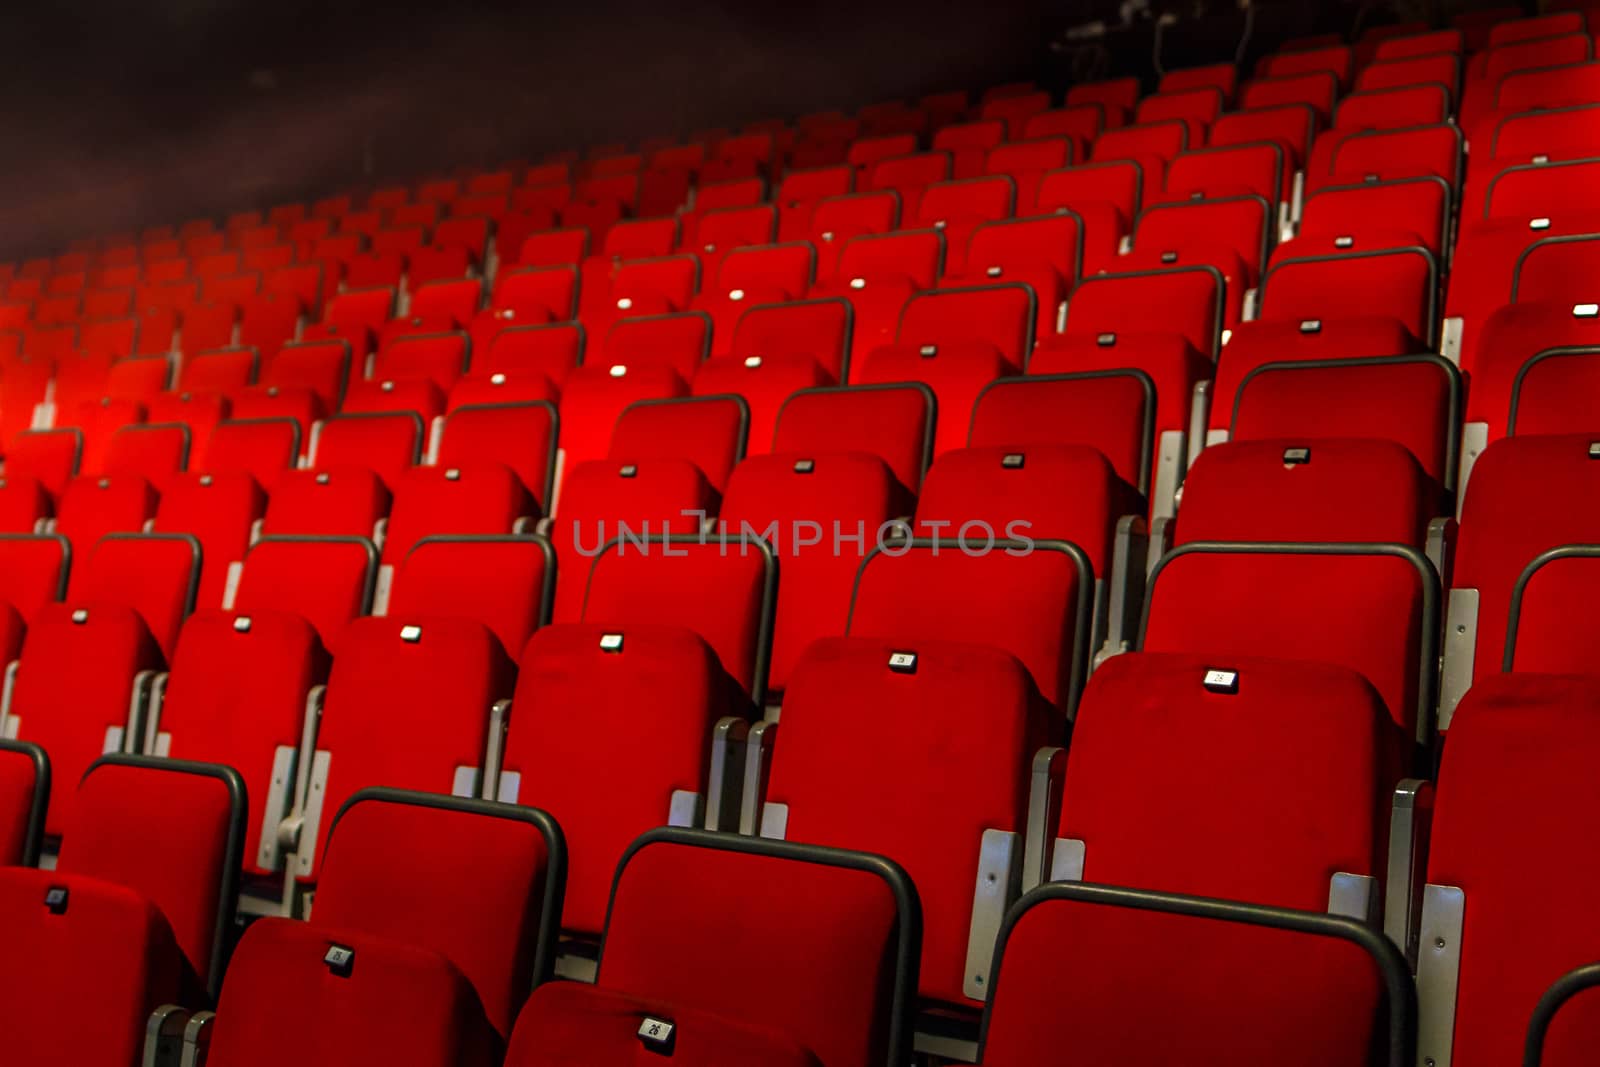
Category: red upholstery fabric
[777,497]
[834,1002]
[407,713]
[1397,283]
[236,695]
[1364,612]
[1326,765]
[1183,301]
[1510,823]
[399,1004]
[956,372]
[1259,342]
[477,904]
[1151,983]
[1527,495]
[721,595]
[888,422]
[110,949]
[389,443]
[340,503]
[93,507]
[1545,641]
[479,499]
[819,329]
[569,1022]
[498,581]
[217,510]
[706,431]
[1348,490]
[1062,492]
[1024,604]
[659,695]
[325,582]
[592,398]
[844,688]
[766,382]
[19,780]
[180,870]
[679,342]
[1105,413]
[263,449]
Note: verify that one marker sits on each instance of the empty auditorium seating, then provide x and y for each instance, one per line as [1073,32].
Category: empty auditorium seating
[663,964]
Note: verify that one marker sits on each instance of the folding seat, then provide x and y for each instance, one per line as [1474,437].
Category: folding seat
[1316,89]
[1560,133]
[800,191]
[836,220]
[135,929]
[325,580]
[92,507]
[1419,205]
[388,443]
[967,143]
[107,303]
[77,715]
[867,152]
[418,217]
[718,232]
[25,785]
[486,499]
[220,512]
[1527,495]
[653,286]
[1027,162]
[1201,105]
[588,665]
[306,282]
[877,274]
[591,399]
[434,676]
[1440,69]
[319,368]
[155,453]
[708,431]
[1401,283]
[538,294]
[1338,982]
[679,342]
[24,386]
[1413,401]
[1377,155]
[641,239]
[521,434]
[1531,375]
[360,313]
[1106,196]
[1083,123]
[1370,608]
[1254,344]
[215,265]
[1152,145]
[1222,231]
[1539,190]
[1045,252]
[817,330]
[268,321]
[505,581]
[1217,173]
[908,176]
[771,274]
[1291,125]
[1339,61]
[1220,76]
[764,383]
[553,351]
[1113,94]
[489,204]
[957,208]
[1308,488]
[1013,111]
[893,422]
[957,341]
[49,459]
[440,358]
[1510,732]
[34,576]
[52,342]
[643,979]
[56,310]
[1420,43]
[231,288]
[1531,90]
[1184,300]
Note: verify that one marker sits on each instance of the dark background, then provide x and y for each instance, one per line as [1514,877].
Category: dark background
[120,113]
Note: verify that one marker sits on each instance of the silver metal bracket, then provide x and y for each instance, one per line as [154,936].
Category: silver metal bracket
[1474,439]
[163,1036]
[1438,973]
[1353,896]
[998,882]
[1066,860]
[197,1039]
[754,811]
[1130,554]
[1171,450]
[499,722]
[1199,418]
[724,806]
[1410,818]
[1460,651]
[1044,805]
[1450,339]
